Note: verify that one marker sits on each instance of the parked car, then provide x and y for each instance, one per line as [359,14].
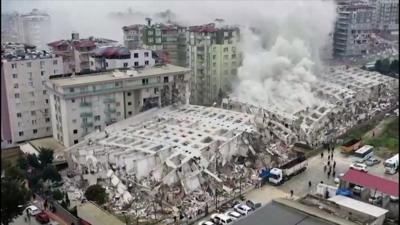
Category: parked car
[394,198]
[357,190]
[252,204]
[242,209]
[359,166]
[359,160]
[33,210]
[372,161]
[221,219]
[375,199]
[206,223]
[42,217]
[233,214]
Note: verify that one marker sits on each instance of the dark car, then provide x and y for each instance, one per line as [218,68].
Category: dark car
[42,217]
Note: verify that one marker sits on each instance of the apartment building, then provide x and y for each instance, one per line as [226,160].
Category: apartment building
[83,104]
[107,58]
[353,29]
[76,52]
[11,27]
[168,41]
[214,60]
[386,15]
[36,27]
[25,105]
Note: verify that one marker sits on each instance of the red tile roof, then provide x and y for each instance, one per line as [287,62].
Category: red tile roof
[371,181]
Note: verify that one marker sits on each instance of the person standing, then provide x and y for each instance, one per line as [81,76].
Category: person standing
[291,193]
[334,164]
[322,155]
[309,184]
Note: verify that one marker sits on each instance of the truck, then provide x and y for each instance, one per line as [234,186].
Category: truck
[392,164]
[351,146]
[285,171]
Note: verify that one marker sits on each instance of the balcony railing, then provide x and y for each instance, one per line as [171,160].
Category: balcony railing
[86,124]
[86,114]
[85,104]
[107,111]
[109,100]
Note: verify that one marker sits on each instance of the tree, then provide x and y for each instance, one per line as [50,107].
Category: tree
[46,156]
[385,69]
[51,173]
[22,163]
[97,194]
[394,66]
[378,65]
[13,196]
[57,195]
[15,173]
[33,161]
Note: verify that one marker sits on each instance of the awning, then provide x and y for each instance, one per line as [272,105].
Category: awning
[372,182]
[28,149]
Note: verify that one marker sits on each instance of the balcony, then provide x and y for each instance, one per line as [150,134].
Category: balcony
[85,104]
[86,124]
[109,100]
[86,114]
[110,110]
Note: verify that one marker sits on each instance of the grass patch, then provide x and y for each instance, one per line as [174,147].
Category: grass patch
[388,141]
[359,131]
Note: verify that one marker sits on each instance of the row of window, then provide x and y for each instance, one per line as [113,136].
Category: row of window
[34,131]
[29,64]
[33,113]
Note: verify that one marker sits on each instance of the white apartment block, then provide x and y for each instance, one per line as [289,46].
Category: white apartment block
[214,59]
[35,27]
[25,106]
[110,58]
[83,104]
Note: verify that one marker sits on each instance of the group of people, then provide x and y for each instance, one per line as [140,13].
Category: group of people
[330,166]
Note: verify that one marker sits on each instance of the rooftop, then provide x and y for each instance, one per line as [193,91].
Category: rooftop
[358,206]
[95,215]
[117,75]
[371,181]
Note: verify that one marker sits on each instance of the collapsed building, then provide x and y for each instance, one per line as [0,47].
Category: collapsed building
[179,154]
[347,96]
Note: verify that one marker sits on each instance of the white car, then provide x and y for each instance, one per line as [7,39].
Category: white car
[242,209]
[33,210]
[359,166]
[233,214]
[221,219]
[357,190]
[206,223]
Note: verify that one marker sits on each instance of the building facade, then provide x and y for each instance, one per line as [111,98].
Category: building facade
[11,27]
[214,60]
[25,103]
[36,26]
[387,15]
[353,29]
[83,104]
[109,58]
[76,52]
[168,41]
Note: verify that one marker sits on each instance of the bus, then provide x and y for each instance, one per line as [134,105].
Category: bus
[365,152]
[392,164]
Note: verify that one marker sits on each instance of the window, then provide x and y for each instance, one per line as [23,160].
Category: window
[136,63]
[225,49]
[118,113]
[33,113]
[165,79]
[44,92]
[145,81]
[155,90]
[15,76]
[41,73]
[146,62]
[233,49]
[19,115]
[71,90]
[15,85]
[14,66]
[41,64]
[117,104]
[47,101]
[34,131]
[48,129]
[55,62]
[96,118]
[125,65]
[76,141]
[106,64]
[129,113]
[233,72]
[75,131]
[30,83]
[73,100]
[55,71]
[214,56]
[233,56]
[28,64]
[146,54]
[16,95]
[21,133]
[129,103]
[47,119]
[135,55]
[43,82]
[129,93]
[74,121]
